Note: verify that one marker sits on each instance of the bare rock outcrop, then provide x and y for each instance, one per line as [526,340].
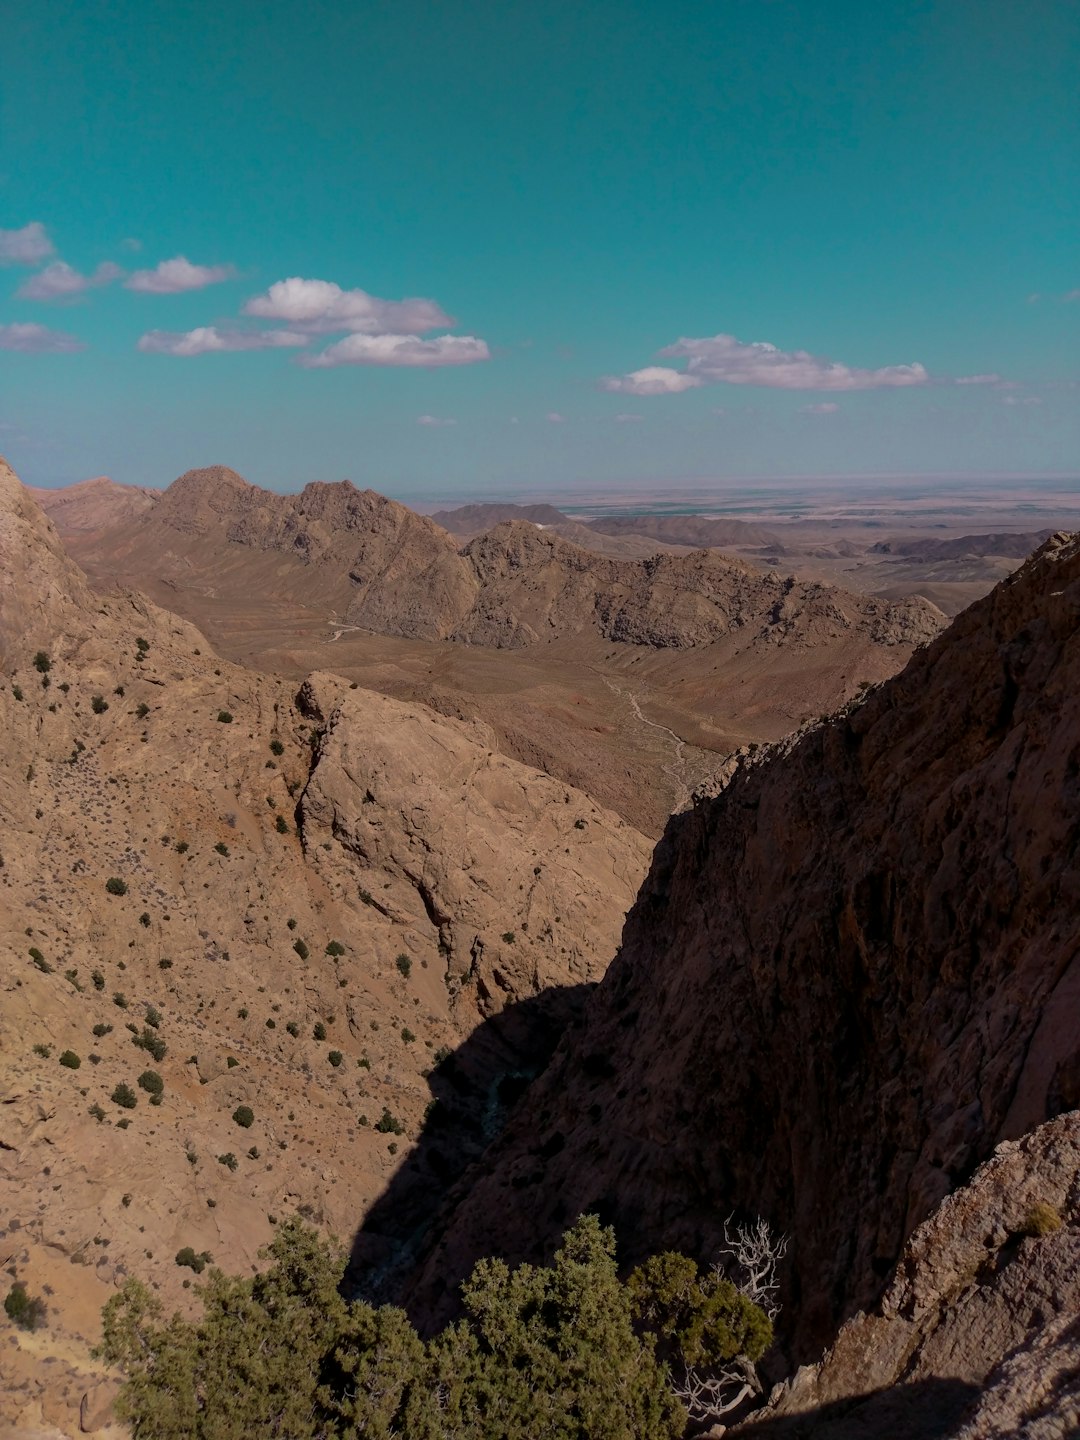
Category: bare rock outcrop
[848,977]
[94,504]
[984,1307]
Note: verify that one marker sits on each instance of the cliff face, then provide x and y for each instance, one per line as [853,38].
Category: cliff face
[977,1334]
[847,978]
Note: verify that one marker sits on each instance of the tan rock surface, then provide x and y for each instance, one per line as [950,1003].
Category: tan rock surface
[217,947]
[847,978]
[980,1310]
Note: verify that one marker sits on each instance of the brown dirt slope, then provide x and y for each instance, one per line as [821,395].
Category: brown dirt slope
[250,830]
[847,978]
[94,504]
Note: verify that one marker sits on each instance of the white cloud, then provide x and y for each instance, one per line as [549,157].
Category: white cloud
[28,246]
[59,281]
[627,419]
[990,379]
[1020,400]
[653,380]
[38,340]
[208,339]
[555,418]
[322,307]
[434,421]
[1070,296]
[406,350]
[722,359]
[827,407]
[131,245]
[172,277]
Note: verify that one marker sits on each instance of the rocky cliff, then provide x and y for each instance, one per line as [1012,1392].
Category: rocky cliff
[848,977]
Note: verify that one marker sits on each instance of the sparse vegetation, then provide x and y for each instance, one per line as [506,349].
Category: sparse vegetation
[388,1124]
[335,1057]
[1041,1219]
[70,1060]
[319,1030]
[276,747]
[244,1116]
[25,1311]
[281,825]
[102,1029]
[509,936]
[141,711]
[335,948]
[115,886]
[404,965]
[99,704]
[43,1050]
[301,949]
[188,1258]
[42,663]
[224,717]
[221,848]
[229,1160]
[124,1096]
[152,1083]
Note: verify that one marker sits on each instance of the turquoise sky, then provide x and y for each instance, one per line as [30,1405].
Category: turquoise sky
[887,193]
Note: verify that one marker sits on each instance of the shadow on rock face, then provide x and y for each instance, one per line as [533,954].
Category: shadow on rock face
[923,1410]
[474,1090]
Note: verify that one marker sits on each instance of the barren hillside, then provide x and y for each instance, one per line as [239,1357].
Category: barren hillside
[219,895]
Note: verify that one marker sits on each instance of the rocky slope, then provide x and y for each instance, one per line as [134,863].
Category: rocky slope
[848,977]
[385,569]
[978,1332]
[297,904]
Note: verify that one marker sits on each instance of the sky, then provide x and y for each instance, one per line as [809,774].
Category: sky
[513,249]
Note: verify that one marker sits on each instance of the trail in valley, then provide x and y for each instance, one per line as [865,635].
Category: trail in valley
[677,768]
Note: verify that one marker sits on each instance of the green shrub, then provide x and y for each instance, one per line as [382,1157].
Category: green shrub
[101,1029]
[231,1062]
[509,936]
[142,711]
[151,1082]
[188,1258]
[115,886]
[99,704]
[144,919]
[40,963]
[16,690]
[301,949]
[151,1043]
[244,1116]
[407,1035]
[229,1160]
[1041,1219]
[404,964]
[182,847]
[276,747]
[221,848]
[388,1124]
[224,718]
[120,1000]
[319,1030]
[281,825]
[97,1112]
[335,948]
[124,1096]
[144,645]
[23,1310]
[43,1050]
[42,662]
[98,980]
[335,1057]
[293,1028]
[70,1060]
